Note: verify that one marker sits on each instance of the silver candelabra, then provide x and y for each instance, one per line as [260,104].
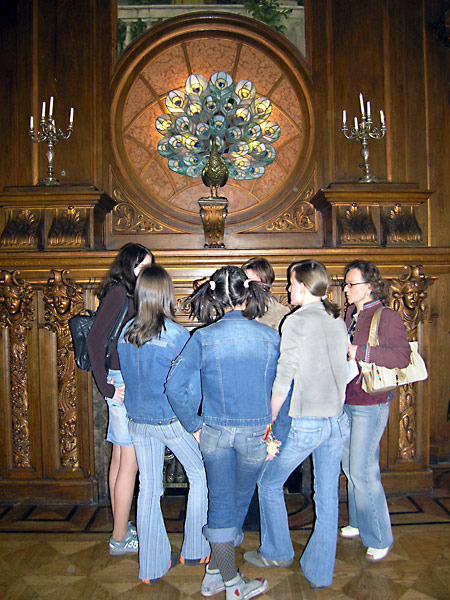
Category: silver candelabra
[48,133]
[361,132]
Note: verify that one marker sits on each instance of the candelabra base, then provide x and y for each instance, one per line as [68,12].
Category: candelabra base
[368,179]
[50,181]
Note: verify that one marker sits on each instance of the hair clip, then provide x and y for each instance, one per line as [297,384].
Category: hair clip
[212,284]
[247,283]
[325,297]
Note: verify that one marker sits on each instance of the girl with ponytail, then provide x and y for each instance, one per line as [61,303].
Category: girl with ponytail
[313,358]
[227,368]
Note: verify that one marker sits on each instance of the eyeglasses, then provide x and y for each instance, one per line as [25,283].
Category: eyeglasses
[344,284]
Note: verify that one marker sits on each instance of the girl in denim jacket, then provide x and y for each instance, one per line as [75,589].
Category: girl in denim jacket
[146,349]
[228,368]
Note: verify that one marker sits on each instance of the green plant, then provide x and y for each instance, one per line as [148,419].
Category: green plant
[269,12]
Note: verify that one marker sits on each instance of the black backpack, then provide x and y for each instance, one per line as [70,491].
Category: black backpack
[80,326]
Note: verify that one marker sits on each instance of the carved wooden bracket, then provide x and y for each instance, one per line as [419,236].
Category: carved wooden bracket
[213,212]
[379,214]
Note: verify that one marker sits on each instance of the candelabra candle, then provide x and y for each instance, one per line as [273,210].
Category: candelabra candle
[362,132]
[48,133]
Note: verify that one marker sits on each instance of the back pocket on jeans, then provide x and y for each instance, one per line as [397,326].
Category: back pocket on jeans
[209,439]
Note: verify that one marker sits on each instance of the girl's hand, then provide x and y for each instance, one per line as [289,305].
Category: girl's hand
[197,436]
[119,394]
[351,352]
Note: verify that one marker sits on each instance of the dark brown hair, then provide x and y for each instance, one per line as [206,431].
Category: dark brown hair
[122,269]
[371,275]
[155,301]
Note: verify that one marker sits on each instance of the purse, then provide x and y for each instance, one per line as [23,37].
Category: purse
[376,380]
[80,326]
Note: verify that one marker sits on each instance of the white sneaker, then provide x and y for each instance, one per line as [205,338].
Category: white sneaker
[349,532]
[244,589]
[212,583]
[374,554]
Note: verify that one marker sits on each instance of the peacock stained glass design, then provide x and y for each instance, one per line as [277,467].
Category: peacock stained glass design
[221,112]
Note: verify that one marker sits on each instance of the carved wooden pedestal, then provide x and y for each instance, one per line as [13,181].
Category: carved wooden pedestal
[378,214]
[41,217]
[213,212]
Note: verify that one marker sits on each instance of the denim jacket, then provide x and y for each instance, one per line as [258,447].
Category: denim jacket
[227,367]
[144,372]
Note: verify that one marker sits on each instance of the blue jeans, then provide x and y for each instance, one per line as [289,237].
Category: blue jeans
[154,546]
[367,506]
[117,415]
[324,438]
[233,459]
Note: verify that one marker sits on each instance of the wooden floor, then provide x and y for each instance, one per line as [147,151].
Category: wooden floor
[61,553]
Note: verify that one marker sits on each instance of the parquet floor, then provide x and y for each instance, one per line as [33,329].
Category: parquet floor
[61,553]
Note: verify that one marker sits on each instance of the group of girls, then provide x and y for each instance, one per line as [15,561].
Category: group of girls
[212,397]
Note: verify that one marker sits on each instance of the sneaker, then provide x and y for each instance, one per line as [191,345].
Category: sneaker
[374,554]
[128,545]
[256,559]
[193,562]
[132,529]
[212,583]
[349,532]
[244,589]
[173,563]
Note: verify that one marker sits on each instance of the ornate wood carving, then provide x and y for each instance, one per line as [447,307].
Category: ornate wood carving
[63,299]
[21,230]
[17,314]
[409,299]
[401,227]
[126,218]
[357,227]
[68,228]
[213,212]
[301,217]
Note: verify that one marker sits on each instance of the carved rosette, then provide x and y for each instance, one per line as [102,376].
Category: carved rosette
[17,314]
[62,300]
[409,299]
[356,226]
[21,230]
[213,212]
[401,227]
[68,228]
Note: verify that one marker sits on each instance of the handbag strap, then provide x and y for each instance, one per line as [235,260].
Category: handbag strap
[372,340]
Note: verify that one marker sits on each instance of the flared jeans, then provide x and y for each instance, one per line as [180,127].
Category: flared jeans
[149,442]
[323,438]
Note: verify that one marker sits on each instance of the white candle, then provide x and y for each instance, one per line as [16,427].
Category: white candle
[31,123]
[368,110]
[43,111]
[50,108]
[382,118]
[361,102]
[356,123]
[71,116]
[344,118]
